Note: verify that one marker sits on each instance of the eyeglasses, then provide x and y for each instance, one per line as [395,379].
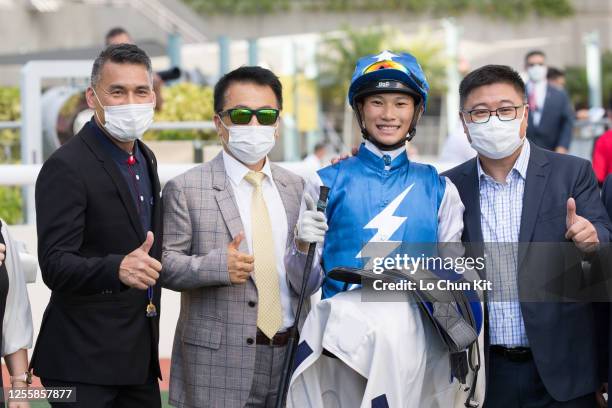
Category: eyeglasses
[505,113]
[243,116]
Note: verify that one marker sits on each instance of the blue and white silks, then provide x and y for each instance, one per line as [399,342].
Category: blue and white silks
[388,355]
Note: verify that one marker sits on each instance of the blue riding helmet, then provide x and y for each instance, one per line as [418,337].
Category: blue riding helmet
[388,72]
[385,73]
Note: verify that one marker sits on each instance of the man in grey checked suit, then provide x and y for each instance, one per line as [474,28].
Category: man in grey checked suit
[230,249]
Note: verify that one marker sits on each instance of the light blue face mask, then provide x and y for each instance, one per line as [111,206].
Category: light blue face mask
[250,144]
[127,123]
[496,138]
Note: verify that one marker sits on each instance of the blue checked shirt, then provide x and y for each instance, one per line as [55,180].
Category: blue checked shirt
[500,219]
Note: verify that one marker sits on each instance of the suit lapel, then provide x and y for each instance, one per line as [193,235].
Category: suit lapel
[224,194]
[537,176]
[111,168]
[287,197]
[547,104]
[156,221]
[471,189]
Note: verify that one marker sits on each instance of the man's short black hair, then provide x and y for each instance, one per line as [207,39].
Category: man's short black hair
[120,54]
[247,74]
[554,73]
[534,52]
[113,32]
[488,75]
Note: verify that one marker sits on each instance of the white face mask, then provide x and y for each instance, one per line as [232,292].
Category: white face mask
[250,144]
[537,73]
[127,123]
[496,139]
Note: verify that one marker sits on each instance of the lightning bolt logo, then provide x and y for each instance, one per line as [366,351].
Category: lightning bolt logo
[386,223]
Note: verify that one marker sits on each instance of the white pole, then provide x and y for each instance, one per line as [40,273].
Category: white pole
[593,68]
[451,32]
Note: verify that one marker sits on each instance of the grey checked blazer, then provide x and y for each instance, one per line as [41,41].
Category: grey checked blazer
[212,362]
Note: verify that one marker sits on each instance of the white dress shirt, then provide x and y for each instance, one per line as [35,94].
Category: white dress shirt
[243,191]
[540,90]
[17,330]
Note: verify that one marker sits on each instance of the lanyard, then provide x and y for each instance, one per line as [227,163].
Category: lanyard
[151,310]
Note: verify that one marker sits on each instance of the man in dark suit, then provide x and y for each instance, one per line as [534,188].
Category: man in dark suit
[540,354]
[551,118]
[99,243]
[605,335]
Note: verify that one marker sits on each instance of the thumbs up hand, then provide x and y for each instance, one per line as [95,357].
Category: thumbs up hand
[138,269]
[579,229]
[239,264]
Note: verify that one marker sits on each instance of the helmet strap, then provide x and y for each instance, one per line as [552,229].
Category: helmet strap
[415,119]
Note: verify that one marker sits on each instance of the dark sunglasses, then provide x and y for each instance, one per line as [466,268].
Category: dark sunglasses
[242,116]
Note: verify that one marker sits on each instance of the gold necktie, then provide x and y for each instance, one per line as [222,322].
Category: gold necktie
[269,312]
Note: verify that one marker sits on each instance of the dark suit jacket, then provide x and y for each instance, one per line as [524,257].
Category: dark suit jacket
[604,310]
[94,329]
[557,121]
[606,194]
[561,335]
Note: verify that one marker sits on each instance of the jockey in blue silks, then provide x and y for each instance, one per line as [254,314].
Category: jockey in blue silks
[378,199]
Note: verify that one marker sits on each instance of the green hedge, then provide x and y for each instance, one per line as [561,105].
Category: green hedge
[514,9]
[11,204]
[184,102]
[10,197]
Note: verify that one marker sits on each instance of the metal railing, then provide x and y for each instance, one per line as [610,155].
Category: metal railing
[10,125]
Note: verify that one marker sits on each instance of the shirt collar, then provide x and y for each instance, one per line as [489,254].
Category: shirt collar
[520,165]
[117,154]
[393,153]
[539,86]
[236,170]
[376,161]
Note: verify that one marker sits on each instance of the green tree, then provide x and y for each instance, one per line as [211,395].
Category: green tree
[577,85]
[338,57]
[339,54]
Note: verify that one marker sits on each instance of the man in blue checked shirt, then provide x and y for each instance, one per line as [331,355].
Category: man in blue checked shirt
[540,354]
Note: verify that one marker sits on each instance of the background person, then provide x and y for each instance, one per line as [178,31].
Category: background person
[551,119]
[556,77]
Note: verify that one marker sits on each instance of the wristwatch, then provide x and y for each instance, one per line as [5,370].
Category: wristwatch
[25,377]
